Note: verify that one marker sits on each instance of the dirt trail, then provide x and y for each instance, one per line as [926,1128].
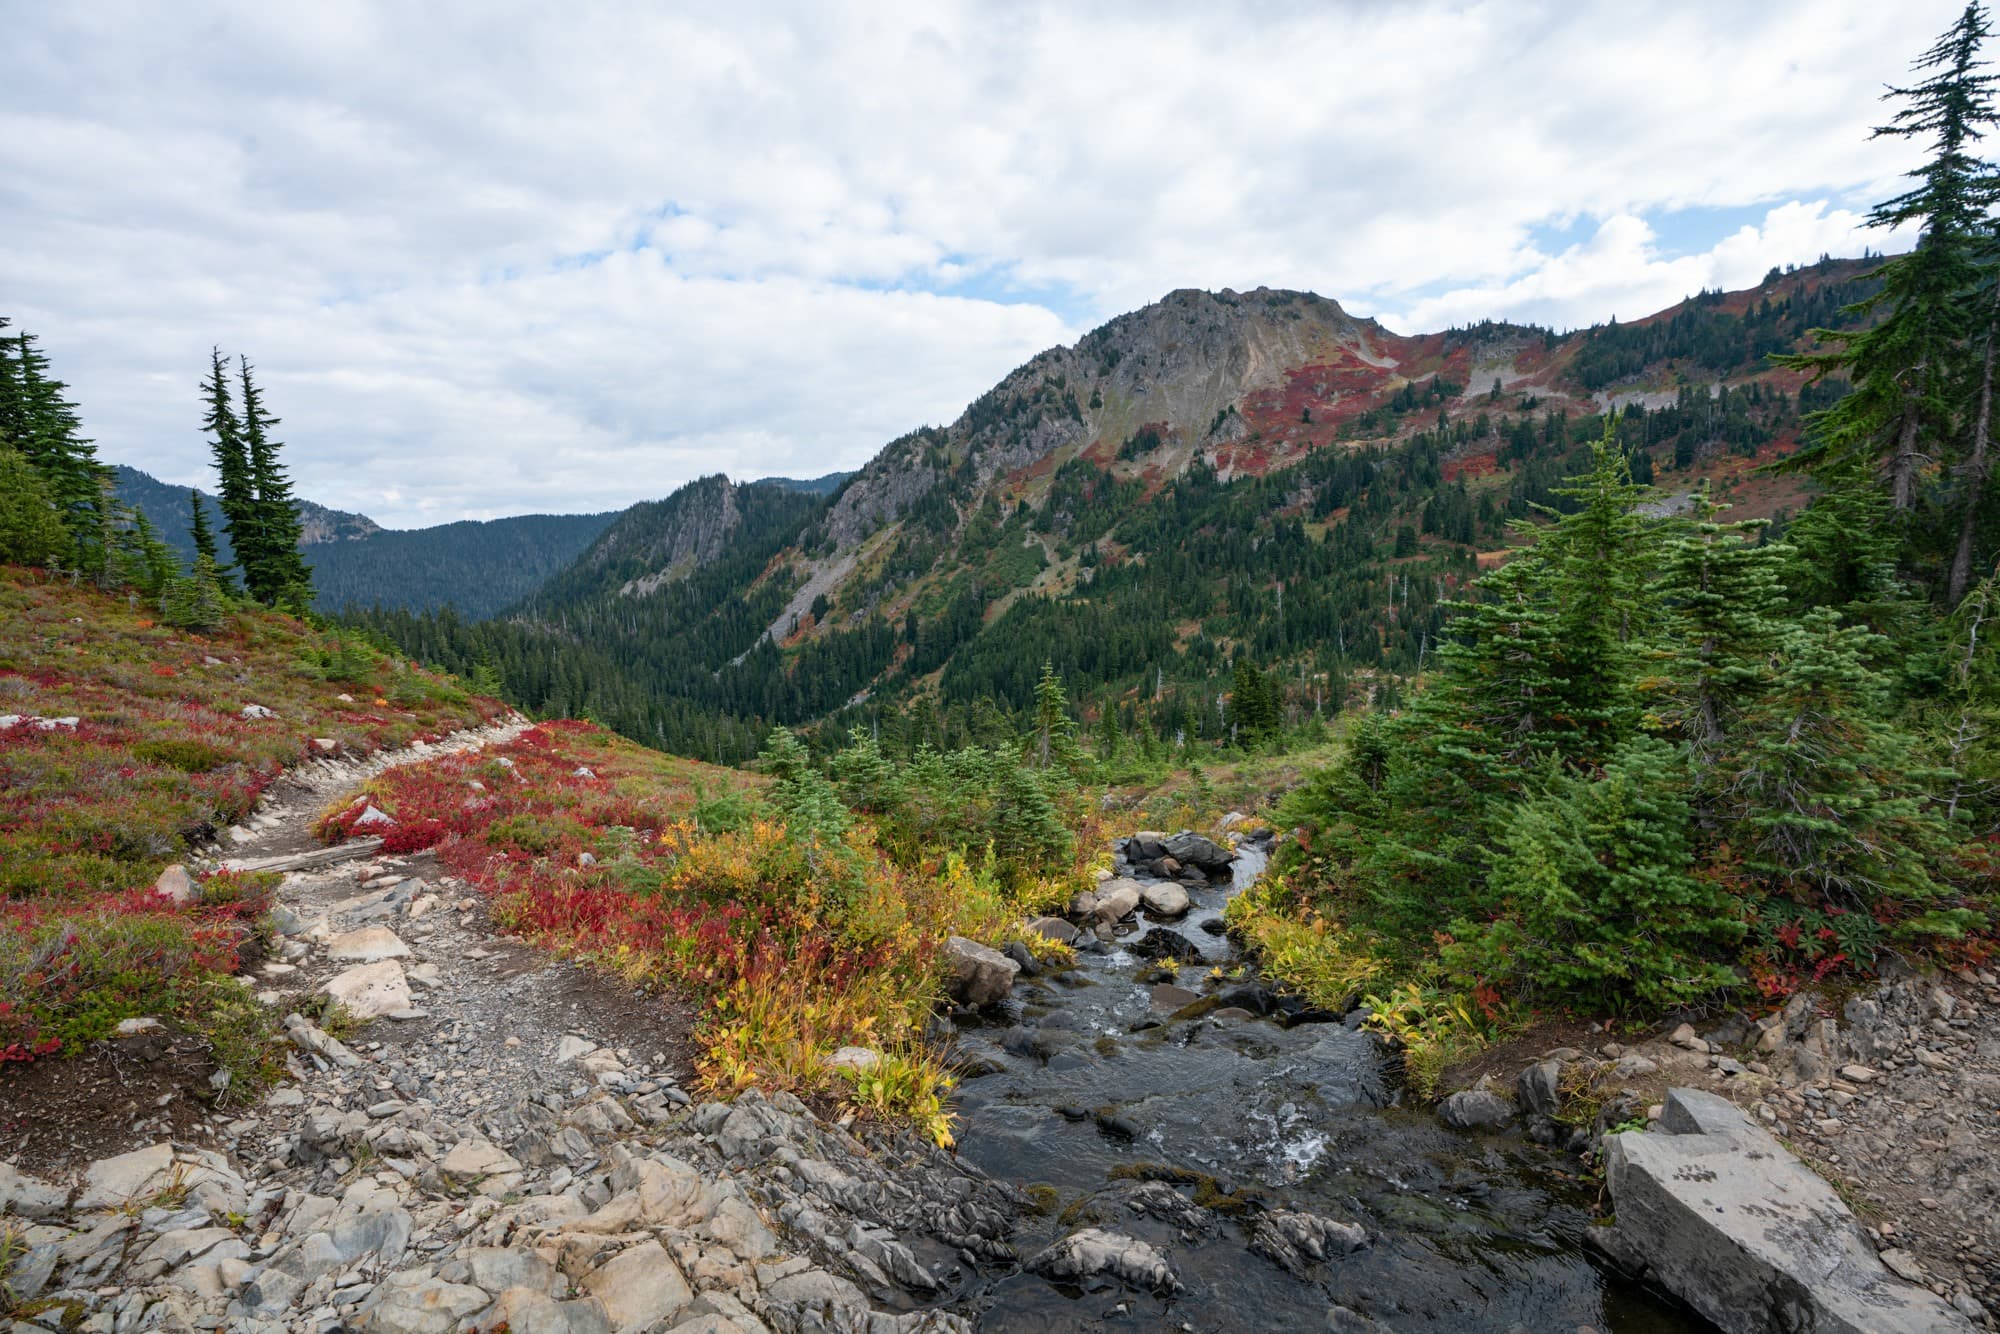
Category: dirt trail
[502,1142]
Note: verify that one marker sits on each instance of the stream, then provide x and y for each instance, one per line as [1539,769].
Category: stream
[1093,1089]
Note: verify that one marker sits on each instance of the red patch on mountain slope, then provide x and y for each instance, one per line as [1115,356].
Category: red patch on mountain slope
[1334,392]
[1481,464]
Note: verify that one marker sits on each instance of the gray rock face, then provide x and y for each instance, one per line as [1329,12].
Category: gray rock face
[1717,1211]
[1295,1241]
[1475,1109]
[1095,1252]
[1165,900]
[1054,928]
[979,975]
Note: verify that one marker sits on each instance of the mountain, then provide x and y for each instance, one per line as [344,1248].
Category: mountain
[476,567]
[167,506]
[816,486]
[1217,482]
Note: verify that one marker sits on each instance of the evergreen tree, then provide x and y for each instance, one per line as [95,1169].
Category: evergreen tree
[281,573]
[1907,365]
[203,538]
[146,562]
[200,601]
[44,426]
[1597,877]
[1054,730]
[1724,602]
[31,532]
[236,488]
[1827,797]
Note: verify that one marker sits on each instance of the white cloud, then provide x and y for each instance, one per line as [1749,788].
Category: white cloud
[497,257]
[1620,272]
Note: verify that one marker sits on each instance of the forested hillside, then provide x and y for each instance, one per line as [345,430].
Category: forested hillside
[476,567]
[172,513]
[1221,490]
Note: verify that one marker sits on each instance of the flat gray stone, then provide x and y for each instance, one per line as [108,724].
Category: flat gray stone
[639,1287]
[110,1182]
[1713,1208]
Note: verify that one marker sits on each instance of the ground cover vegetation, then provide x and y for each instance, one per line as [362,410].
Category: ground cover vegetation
[128,733]
[806,909]
[131,745]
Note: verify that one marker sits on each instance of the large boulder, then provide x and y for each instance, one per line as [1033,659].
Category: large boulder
[1201,851]
[979,975]
[1475,1109]
[1164,900]
[1146,846]
[1095,1252]
[1117,899]
[1714,1209]
[1165,943]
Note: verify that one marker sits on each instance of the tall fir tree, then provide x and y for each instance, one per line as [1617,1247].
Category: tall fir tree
[43,424]
[236,489]
[1054,738]
[282,572]
[1724,599]
[31,532]
[1909,360]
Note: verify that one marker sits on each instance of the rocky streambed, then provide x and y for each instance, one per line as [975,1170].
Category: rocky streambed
[1239,1160]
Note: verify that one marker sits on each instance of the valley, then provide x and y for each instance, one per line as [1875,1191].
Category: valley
[1253,820]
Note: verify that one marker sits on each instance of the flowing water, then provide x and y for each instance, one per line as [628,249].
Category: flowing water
[1095,1087]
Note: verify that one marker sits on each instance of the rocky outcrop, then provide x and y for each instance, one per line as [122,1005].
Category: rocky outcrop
[671,538]
[599,1213]
[1475,1109]
[1097,1253]
[1713,1208]
[980,975]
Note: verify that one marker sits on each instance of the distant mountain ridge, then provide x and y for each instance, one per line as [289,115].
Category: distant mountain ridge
[1217,479]
[824,485]
[477,567]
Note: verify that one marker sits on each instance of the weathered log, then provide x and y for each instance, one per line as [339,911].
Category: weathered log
[301,861]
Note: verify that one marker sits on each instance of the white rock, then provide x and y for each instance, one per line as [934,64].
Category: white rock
[252,712]
[373,817]
[371,990]
[855,1058]
[110,1182]
[368,945]
[132,1028]
[639,1288]
[474,1157]
[174,885]
[572,1047]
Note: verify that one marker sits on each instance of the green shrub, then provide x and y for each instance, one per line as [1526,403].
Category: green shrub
[187,755]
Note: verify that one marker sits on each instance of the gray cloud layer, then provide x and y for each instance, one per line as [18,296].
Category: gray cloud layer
[494,258]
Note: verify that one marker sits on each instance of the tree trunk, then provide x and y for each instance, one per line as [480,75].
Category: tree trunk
[1903,463]
[1975,469]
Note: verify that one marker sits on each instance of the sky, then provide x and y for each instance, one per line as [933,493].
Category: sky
[493,258]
